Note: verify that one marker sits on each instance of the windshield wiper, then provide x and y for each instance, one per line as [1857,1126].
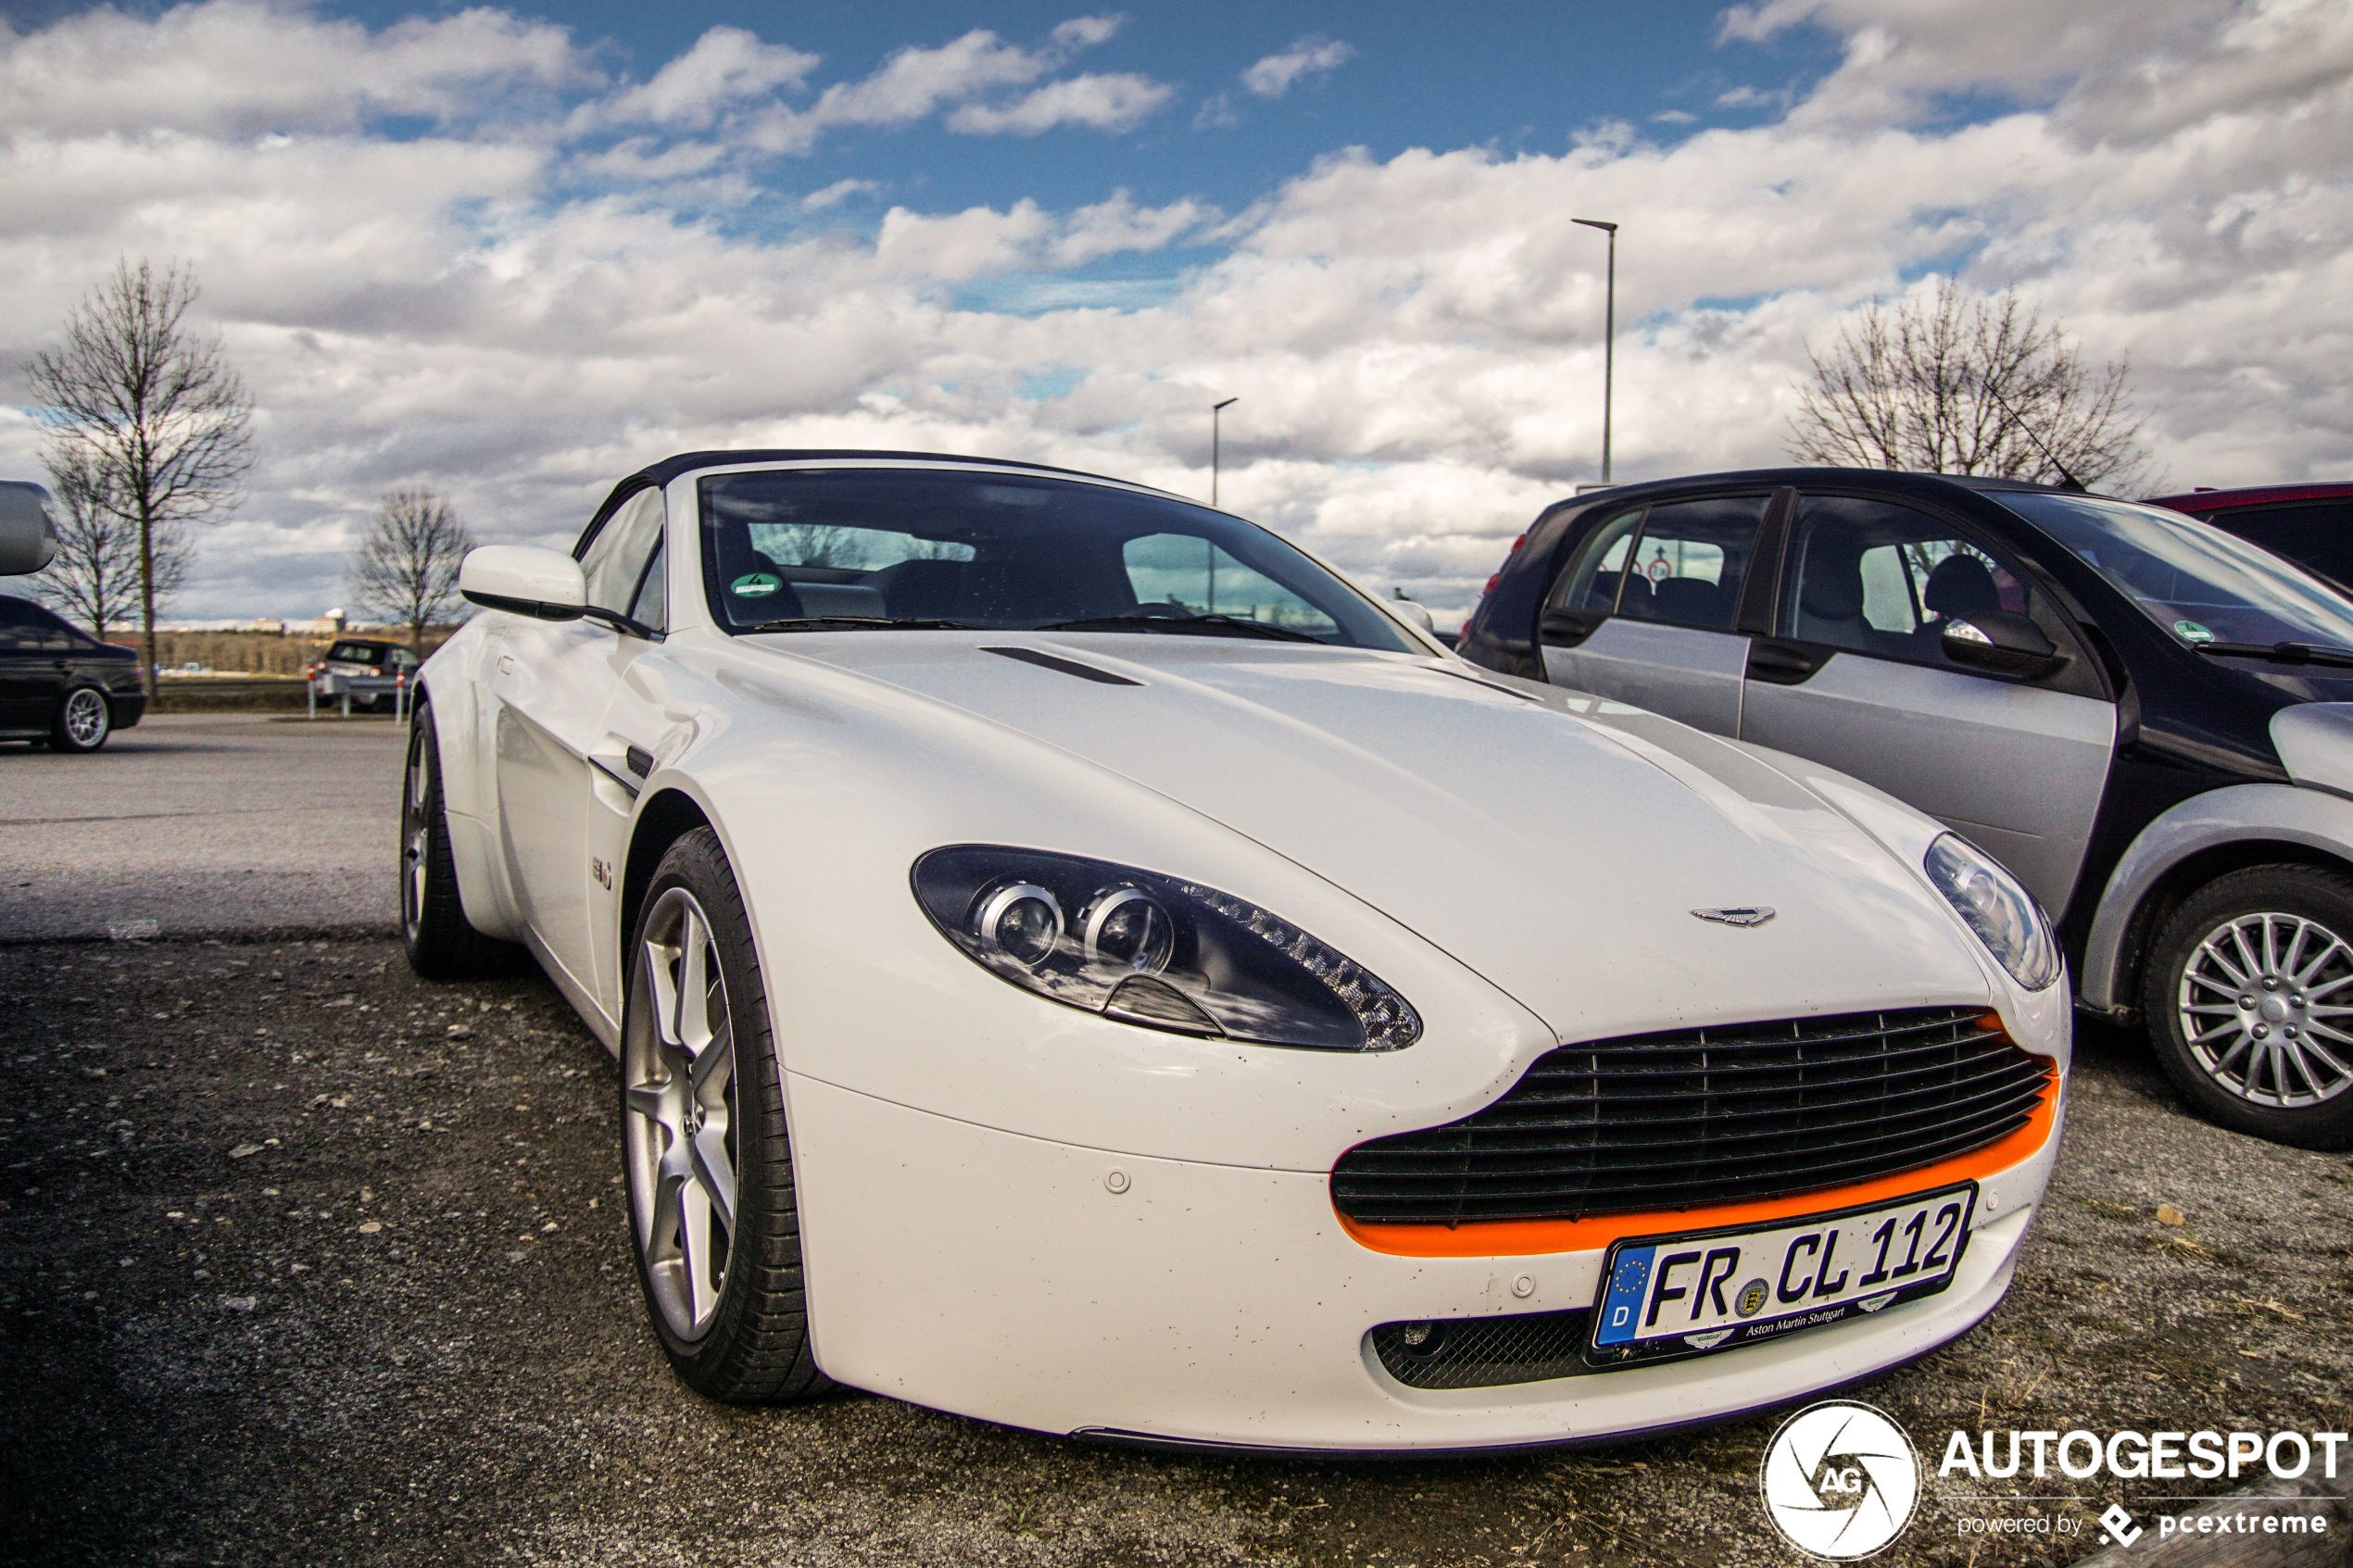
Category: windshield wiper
[1184,625]
[2283,653]
[862,624]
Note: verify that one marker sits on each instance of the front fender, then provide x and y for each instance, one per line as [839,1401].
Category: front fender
[2282,813]
[465,729]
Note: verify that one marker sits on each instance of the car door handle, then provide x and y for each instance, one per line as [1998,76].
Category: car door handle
[1566,628]
[1785,664]
[59,664]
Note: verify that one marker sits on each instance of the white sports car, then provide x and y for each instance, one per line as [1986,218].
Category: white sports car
[1076,962]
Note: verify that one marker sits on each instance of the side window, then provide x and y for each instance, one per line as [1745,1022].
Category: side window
[1596,577]
[1884,580]
[38,630]
[616,558]
[14,626]
[1690,558]
[652,607]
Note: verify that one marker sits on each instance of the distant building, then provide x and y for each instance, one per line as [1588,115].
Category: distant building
[275,628]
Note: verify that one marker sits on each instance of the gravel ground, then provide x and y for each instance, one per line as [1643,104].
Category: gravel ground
[207,824]
[307,1262]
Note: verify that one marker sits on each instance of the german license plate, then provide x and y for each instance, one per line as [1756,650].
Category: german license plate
[1671,1295]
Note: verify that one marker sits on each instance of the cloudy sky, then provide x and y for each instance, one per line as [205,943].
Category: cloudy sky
[514,253]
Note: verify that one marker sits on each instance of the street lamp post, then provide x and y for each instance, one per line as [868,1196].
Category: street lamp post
[1609,333]
[1214,410]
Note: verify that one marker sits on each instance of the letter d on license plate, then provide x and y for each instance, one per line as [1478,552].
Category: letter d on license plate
[1686,1294]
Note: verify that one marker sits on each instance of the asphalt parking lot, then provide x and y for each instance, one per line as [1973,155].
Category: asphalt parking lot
[307,1260]
[206,824]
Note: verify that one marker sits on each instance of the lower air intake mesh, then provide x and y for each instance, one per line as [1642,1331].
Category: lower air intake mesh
[1692,1118]
[1483,1352]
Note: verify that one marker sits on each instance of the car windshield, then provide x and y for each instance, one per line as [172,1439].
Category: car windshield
[820,548]
[2201,584]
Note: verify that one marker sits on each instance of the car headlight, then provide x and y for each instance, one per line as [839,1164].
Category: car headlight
[2004,914]
[1155,951]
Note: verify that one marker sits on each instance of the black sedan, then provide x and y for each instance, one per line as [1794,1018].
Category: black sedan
[2148,721]
[59,685]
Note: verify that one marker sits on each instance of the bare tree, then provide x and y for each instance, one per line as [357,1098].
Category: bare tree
[407,566]
[94,576]
[1962,383]
[164,421]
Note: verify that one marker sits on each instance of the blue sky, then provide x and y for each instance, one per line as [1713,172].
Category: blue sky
[511,253]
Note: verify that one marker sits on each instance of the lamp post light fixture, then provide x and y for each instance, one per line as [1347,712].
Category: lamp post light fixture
[1214,410]
[1609,333]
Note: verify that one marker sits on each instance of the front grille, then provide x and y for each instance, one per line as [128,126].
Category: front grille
[1484,1352]
[1691,1118]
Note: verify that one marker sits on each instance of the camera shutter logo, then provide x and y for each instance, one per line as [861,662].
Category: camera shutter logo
[1840,1480]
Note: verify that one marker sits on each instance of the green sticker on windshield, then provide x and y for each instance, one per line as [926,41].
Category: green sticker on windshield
[2191,631]
[754,586]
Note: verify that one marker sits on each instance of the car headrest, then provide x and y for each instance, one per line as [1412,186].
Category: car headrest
[1832,589]
[1688,598]
[1961,588]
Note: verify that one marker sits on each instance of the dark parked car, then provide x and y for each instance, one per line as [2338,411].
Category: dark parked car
[2145,720]
[62,685]
[2310,524]
[368,656]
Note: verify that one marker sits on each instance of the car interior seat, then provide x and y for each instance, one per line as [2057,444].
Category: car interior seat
[926,590]
[1691,601]
[740,562]
[1830,600]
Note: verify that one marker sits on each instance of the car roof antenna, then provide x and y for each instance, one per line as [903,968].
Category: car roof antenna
[2067,480]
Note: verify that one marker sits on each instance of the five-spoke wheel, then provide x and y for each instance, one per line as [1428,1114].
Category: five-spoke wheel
[713,1210]
[678,1069]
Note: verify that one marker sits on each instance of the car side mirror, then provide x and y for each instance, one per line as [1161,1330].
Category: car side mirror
[525,579]
[28,528]
[2005,643]
[1417,614]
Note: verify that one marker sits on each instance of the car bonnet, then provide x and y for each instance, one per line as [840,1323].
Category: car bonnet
[1559,853]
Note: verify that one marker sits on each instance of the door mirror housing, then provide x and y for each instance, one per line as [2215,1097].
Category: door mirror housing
[2005,643]
[525,579]
[28,528]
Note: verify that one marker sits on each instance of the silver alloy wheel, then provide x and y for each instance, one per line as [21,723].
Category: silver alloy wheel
[415,847]
[678,1064]
[85,717]
[2266,1012]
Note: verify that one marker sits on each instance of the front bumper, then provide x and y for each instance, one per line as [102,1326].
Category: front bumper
[1019,1280]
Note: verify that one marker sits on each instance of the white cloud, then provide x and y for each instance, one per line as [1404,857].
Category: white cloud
[1104,103]
[1416,341]
[726,67]
[915,84]
[1272,76]
[238,68]
[835,193]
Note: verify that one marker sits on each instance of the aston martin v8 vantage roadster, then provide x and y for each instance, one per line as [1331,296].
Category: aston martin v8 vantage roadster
[1075,961]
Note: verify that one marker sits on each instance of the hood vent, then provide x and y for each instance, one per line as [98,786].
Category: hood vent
[1045,661]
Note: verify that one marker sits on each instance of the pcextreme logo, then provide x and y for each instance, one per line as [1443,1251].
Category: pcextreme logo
[1840,1480]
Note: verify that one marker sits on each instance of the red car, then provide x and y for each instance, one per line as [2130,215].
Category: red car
[2309,524]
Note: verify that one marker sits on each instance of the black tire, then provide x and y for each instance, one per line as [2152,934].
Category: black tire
[731,1311]
[2264,954]
[442,944]
[84,721]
